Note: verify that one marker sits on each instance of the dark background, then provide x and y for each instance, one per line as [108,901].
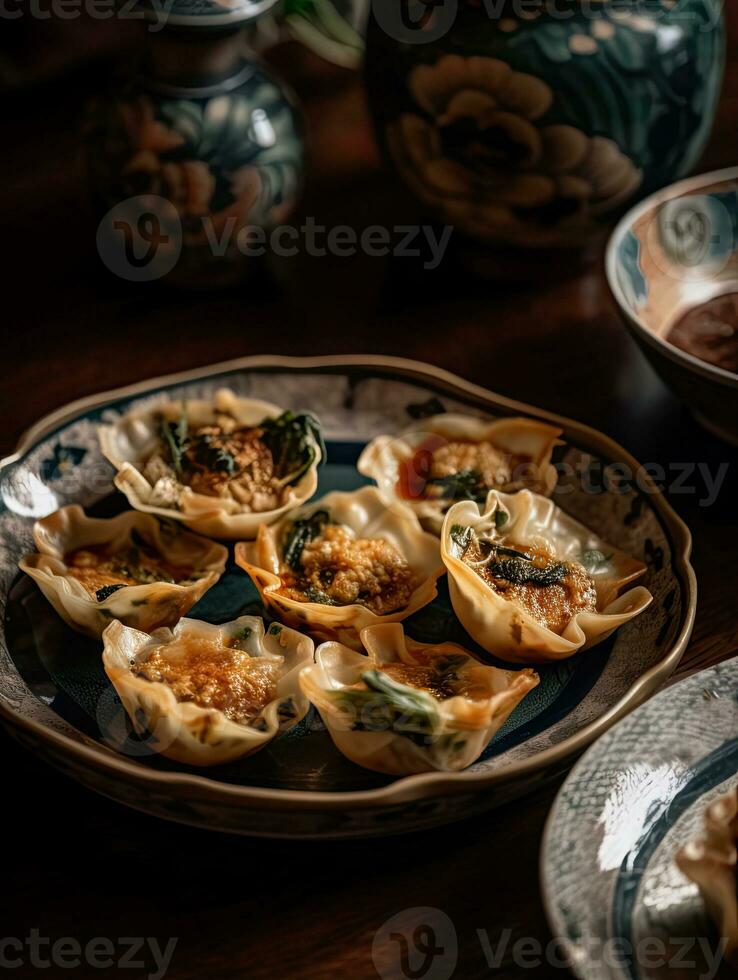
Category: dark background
[77,865]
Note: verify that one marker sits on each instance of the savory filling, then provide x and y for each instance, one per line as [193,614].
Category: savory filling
[102,572]
[326,563]
[251,466]
[459,471]
[550,591]
[441,675]
[404,697]
[214,675]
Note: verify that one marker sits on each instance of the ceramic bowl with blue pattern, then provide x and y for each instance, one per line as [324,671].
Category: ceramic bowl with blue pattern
[676,255]
[616,897]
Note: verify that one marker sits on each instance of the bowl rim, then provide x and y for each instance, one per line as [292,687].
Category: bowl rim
[90,753]
[669,193]
[557,814]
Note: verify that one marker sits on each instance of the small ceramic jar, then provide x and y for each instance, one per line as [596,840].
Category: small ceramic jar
[202,149]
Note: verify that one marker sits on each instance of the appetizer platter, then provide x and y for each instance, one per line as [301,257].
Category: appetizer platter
[651,813]
[328,597]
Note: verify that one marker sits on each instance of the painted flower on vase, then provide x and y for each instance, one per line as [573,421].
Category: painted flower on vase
[483,157]
[232,159]
[188,184]
[140,148]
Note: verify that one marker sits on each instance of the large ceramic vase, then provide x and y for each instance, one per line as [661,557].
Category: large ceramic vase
[196,160]
[535,125]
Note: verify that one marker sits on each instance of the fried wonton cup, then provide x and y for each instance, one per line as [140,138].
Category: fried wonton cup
[131,442]
[381,721]
[401,465]
[145,607]
[712,864]
[186,731]
[501,626]
[365,513]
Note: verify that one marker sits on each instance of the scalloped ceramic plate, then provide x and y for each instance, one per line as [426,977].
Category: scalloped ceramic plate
[613,893]
[55,698]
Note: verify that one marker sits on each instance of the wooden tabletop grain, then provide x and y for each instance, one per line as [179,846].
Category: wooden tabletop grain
[76,865]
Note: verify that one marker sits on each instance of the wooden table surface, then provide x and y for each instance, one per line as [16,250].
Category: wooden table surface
[77,865]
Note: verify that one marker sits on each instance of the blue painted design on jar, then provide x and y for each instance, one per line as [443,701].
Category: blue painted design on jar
[228,158]
[538,131]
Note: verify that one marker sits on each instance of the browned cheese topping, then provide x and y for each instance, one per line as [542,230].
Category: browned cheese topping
[337,568]
[95,567]
[551,605]
[213,676]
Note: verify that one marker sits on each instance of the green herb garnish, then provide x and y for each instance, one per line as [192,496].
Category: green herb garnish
[294,442]
[107,590]
[511,553]
[302,532]
[214,458]
[520,571]
[177,439]
[501,518]
[518,568]
[465,485]
[461,536]
[388,705]
[175,435]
